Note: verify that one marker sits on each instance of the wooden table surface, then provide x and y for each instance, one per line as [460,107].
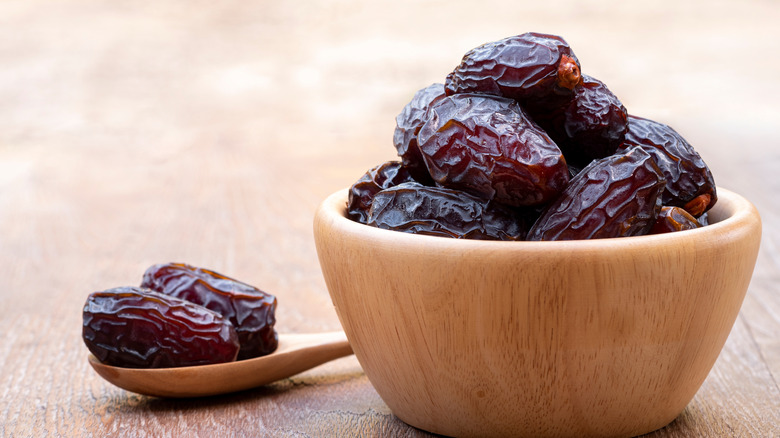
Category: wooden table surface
[133,133]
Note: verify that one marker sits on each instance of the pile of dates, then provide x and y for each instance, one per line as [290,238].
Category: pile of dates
[180,315]
[518,144]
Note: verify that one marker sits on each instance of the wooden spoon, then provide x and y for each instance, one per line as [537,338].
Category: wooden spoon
[296,353]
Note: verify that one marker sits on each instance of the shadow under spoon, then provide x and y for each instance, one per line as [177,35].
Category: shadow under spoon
[296,353]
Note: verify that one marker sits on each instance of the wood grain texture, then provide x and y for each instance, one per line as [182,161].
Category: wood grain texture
[590,338]
[208,133]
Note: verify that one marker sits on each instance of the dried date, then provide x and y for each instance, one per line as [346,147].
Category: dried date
[616,196]
[671,219]
[592,125]
[531,67]
[408,124]
[689,182]
[137,328]
[249,309]
[437,211]
[381,177]
[488,147]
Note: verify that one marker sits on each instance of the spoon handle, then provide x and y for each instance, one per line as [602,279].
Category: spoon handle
[296,353]
[299,352]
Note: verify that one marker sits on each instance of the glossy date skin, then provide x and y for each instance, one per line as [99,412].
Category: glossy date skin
[529,67]
[516,124]
[616,196]
[672,219]
[689,182]
[362,192]
[408,124]
[249,309]
[133,327]
[437,211]
[592,125]
[488,147]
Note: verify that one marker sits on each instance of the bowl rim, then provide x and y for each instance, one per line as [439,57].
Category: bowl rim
[734,217]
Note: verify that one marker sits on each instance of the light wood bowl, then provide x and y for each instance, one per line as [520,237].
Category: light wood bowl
[608,337]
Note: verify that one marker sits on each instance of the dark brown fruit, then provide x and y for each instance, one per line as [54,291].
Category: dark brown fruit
[689,182]
[671,219]
[616,196]
[488,147]
[249,309]
[592,126]
[381,177]
[408,124]
[527,67]
[137,328]
[436,211]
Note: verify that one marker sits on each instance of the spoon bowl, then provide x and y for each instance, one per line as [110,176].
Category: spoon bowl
[296,353]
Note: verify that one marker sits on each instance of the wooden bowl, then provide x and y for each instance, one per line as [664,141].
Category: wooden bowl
[608,337]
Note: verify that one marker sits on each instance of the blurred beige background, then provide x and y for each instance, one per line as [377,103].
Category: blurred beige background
[125,115]
[148,81]
[133,133]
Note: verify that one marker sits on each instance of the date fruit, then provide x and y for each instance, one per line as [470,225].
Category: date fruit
[531,67]
[249,309]
[689,182]
[133,327]
[616,196]
[408,124]
[592,126]
[381,177]
[671,219]
[488,147]
[518,135]
[437,211]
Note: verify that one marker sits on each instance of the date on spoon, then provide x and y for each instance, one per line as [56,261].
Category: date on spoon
[296,353]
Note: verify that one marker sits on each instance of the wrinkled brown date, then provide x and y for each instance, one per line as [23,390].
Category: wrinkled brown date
[689,182]
[133,327]
[437,211]
[616,196]
[671,219]
[251,310]
[529,67]
[381,177]
[517,127]
[408,124]
[488,147]
[592,126]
